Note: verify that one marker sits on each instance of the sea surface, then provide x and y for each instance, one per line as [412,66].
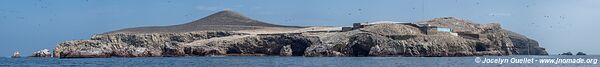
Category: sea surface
[277,61]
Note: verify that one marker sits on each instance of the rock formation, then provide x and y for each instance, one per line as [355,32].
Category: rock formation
[524,45]
[16,55]
[42,53]
[580,53]
[567,53]
[229,33]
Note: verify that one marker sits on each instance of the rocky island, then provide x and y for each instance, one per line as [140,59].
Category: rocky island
[227,33]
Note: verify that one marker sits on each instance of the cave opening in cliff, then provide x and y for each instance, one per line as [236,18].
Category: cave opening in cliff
[298,50]
[361,44]
[299,46]
[233,51]
[360,50]
[480,47]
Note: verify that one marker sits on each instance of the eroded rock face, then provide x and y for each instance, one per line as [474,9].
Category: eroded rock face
[286,51]
[173,45]
[133,45]
[465,39]
[525,46]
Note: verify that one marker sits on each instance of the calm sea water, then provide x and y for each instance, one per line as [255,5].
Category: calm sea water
[275,61]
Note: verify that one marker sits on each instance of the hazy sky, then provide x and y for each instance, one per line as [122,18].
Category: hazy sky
[30,25]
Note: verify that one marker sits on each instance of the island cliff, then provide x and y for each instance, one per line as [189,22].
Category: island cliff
[230,33]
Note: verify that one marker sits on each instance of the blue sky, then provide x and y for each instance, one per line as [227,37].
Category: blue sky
[29,25]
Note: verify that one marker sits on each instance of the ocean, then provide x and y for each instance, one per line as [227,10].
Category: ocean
[277,61]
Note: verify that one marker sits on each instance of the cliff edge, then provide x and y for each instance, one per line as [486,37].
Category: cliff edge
[231,34]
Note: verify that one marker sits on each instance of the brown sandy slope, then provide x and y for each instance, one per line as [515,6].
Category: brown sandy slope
[220,21]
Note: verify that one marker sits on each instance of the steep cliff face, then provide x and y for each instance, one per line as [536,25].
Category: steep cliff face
[524,45]
[388,39]
[130,45]
[185,44]
[406,40]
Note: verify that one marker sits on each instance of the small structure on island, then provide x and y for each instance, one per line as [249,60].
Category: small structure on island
[470,35]
[425,28]
[346,28]
[434,30]
[431,30]
[16,55]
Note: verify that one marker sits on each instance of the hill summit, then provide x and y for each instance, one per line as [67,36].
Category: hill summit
[225,20]
[228,17]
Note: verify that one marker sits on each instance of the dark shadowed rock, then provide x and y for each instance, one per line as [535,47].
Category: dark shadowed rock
[580,53]
[567,53]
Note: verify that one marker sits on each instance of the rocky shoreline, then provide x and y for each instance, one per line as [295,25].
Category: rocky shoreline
[239,36]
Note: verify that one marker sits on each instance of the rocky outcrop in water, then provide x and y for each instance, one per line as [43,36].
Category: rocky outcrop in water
[228,33]
[16,55]
[42,53]
[567,53]
[580,53]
